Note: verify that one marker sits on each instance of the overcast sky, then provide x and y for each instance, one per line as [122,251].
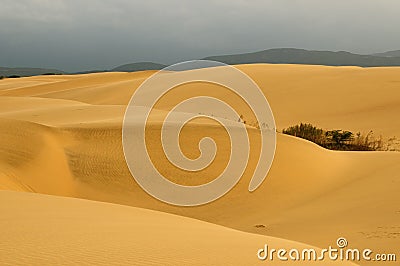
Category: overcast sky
[76,35]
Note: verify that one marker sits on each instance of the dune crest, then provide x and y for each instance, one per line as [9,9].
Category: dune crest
[61,135]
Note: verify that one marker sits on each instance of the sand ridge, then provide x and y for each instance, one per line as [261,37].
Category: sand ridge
[50,230]
[311,195]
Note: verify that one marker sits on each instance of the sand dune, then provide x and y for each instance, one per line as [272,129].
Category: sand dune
[62,136]
[339,95]
[48,230]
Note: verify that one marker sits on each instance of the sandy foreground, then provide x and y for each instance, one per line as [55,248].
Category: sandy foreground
[61,135]
[51,230]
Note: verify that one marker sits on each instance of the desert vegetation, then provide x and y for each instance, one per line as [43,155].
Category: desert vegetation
[341,139]
[50,74]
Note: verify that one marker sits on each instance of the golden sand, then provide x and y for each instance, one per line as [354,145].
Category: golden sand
[61,135]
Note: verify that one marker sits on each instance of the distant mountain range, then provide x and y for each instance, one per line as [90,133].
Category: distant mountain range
[389,54]
[26,71]
[271,56]
[300,56]
[138,67]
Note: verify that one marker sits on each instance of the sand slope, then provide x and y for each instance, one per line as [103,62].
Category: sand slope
[48,230]
[331,97]
[62,136]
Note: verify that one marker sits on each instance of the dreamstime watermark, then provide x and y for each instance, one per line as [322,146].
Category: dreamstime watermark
[192,105]
[340,252]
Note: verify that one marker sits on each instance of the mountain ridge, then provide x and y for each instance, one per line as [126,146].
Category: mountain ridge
[28,71]
[308,57]
[269,56]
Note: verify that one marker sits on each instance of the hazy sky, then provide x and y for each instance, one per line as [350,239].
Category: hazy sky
[77,35]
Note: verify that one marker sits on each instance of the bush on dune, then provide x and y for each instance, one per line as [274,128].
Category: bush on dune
[338,139]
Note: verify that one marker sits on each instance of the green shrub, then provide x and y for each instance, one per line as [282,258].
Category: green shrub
[307,131]
[50,74]
[337,139]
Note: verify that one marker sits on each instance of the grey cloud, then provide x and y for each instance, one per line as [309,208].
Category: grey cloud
[99,34]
